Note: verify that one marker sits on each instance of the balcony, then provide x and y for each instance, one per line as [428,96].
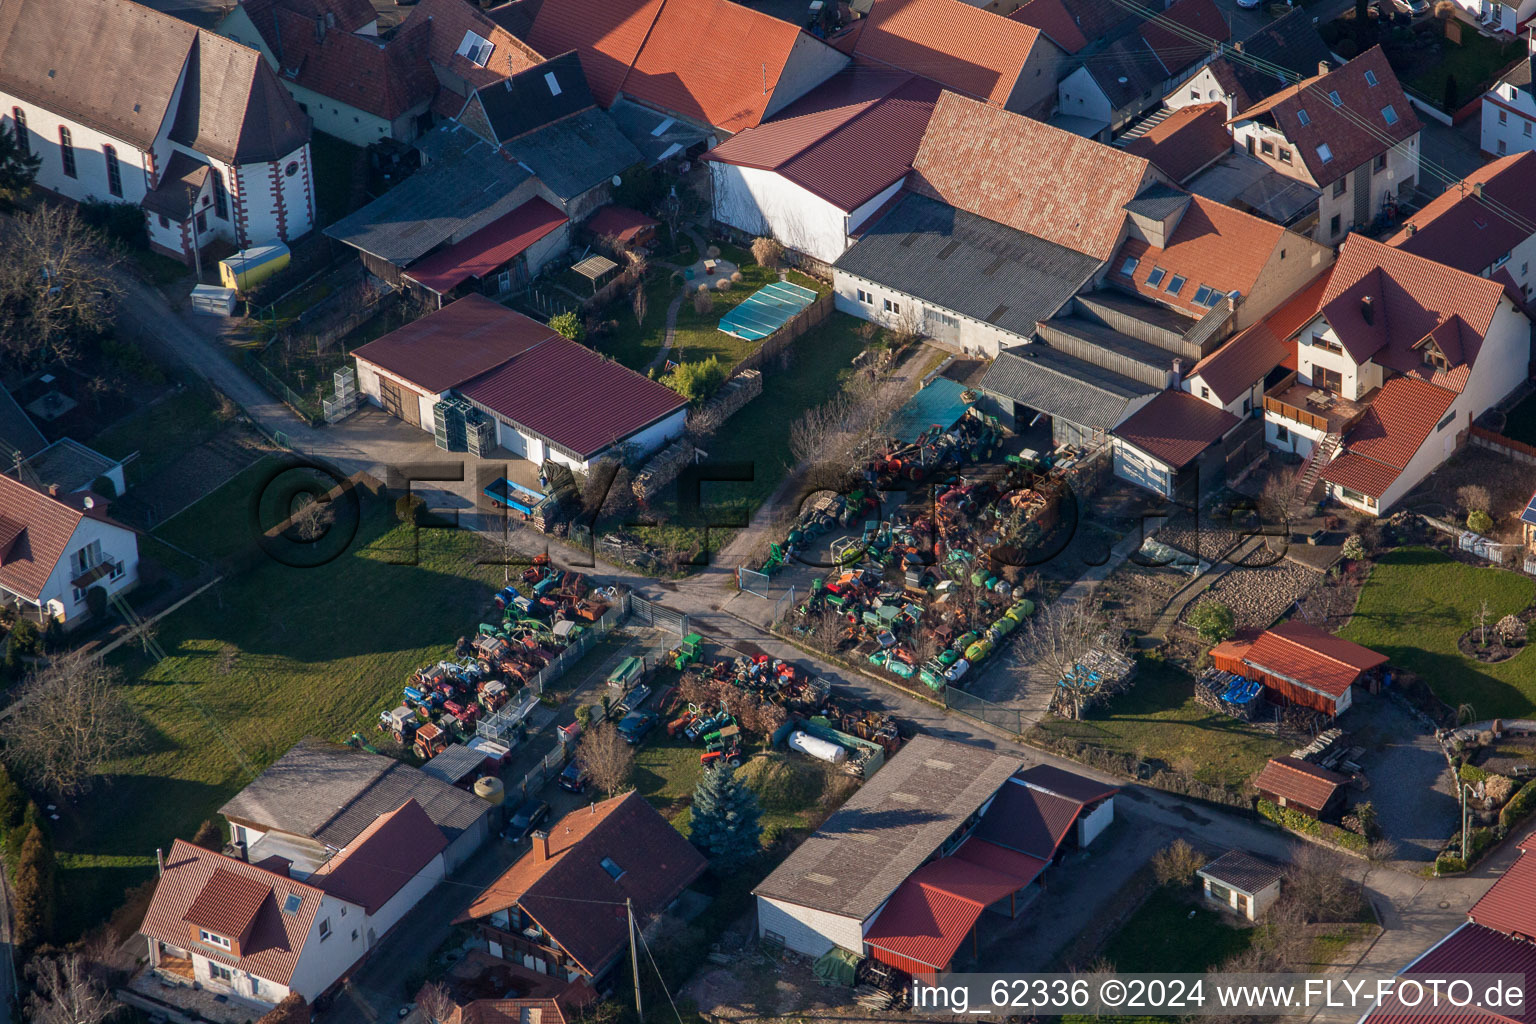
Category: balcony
[516,945]
[1315,410]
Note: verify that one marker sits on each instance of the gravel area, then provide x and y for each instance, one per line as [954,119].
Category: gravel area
[1258,596]
[1210,539]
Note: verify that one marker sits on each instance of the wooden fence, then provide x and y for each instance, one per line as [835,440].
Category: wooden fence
[809,318]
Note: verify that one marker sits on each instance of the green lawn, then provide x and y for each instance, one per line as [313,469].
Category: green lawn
[275,655]
[1474,64]
[1159,719]
[1415,606]
[163,432]
[1164,936]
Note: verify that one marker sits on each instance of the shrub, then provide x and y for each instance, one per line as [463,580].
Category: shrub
[1511,630]
[584,717]
[1520,805]
[782,784]
[292,1010]
[1213,620]
[119,222]
[703,301]
[696,381]
[1354,548]
[1445,864]
[36,890]
[723,285]
[568,325]
[1177,863]
[1498,789]
[13,803]
[408,508]
[209,835]
[1479,521]
[1471,773]
[736,277]
[767,252]
[1474,496]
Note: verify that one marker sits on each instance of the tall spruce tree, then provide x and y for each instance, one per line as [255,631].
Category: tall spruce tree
[17,168]
[725,816]
[35,890]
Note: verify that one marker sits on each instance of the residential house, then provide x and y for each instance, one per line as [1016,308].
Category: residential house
[19,436]
[255,933]
[1293,784]
[1498,18]
[1301,664]
[943,833]
[1509,111]
[56,546]
[550,398]
[1130,72]
[1184,143]
[1161,445]
[686,58]
[1241,881]
[564,1007]
[815,174]
[1498,937]
[974,52]
[322,797]
[969,260]
[125,104]
[617,852]
[1485,225]
[1348,132]
[1075,25]
[1401,356]
[1278,55]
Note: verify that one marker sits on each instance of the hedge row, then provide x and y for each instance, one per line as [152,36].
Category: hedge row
[1290,818]
[1518,806]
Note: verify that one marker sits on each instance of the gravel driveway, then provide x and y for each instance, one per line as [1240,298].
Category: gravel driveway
[1410,783]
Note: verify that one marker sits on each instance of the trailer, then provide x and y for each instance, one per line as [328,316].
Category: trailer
[513,495]
[249,267]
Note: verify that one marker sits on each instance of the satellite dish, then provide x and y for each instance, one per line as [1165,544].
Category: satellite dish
[617,180]
[1123,79]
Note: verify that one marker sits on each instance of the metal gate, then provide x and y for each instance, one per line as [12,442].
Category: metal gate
[650,613]
[752,582]
[784,605]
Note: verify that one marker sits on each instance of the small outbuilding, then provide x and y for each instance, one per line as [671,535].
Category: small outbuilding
[1301,664]
[1241,881]
[1298,785]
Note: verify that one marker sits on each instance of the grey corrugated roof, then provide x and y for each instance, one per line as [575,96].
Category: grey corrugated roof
[575,153]
[331,792]
[889,827]
[1243,871]
[968,264]
[466,185]
[1041,378]
[453,764]
[1158,201]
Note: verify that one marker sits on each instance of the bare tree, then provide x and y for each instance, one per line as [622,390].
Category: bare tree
[1318,882]
[64,992]
[69,721]
[1177,863]
[640,303]
[436,1003]
[1474,497]
[1483,611]
[311,518]
[57,284]
[1057,638]
[606,757]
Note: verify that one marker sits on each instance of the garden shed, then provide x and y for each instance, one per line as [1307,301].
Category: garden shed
[1241,881]
[1294,784]
[1302,664]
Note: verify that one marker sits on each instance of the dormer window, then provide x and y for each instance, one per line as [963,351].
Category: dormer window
[1370,78]
[1433,357]
[1156,277]
[1129,266]
[1301,115]
[204,935]
[476,49]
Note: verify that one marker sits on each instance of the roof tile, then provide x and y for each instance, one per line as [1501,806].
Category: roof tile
[1299,781]
[1186,141]
[960,46]
[1175,427]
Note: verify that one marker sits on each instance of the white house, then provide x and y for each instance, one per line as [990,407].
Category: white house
[1249,71]
[1311,132]
[125,104]
[256,932]
[549,398]
[56,547]
[1241,882]
[1509,112]
[812,177]
[1399,359]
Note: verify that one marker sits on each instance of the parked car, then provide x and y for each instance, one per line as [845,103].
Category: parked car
[524,820]
[634,726]
[634,698]
[573,779]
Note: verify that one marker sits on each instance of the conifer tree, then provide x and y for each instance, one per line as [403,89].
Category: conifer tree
[725,816]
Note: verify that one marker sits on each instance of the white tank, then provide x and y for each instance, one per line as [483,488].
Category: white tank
[822,750]
[489,789]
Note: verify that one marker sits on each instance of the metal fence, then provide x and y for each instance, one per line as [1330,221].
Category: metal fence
[983,710]
[750,581]
[652,614]
[277,389]
[784,605]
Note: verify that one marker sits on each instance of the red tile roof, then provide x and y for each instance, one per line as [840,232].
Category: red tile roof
[933,911]
[1027,175]
[385,78]
[383,858]
[1312,657]
[1174,48]
[1072,24]
[1251,354]
[276,939]
[846,155]
[606,35]
[227,904]
[1400,419]
[1186,141]
[697,61]
[1212,245]
[961,47]
[1468,231]
[1510,906]
[1350,143]
[1299,782]
[573,396]
[45,526]
[657,863]
[619,222]
[490,247]
[1175,427]
[455,344]
[1409,295]
[450,20]
[1470,949]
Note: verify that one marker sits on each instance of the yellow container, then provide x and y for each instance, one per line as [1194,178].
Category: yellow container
[249,267]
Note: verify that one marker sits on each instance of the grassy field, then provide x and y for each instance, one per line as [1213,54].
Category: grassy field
[1158,719]
[1165,936]
[163,432]
[1415,606]
[252,668]
[1474,64]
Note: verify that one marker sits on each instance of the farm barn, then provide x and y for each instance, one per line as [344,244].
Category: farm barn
[1301,664]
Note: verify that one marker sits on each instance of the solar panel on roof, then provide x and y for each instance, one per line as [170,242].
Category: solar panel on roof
[1529,515]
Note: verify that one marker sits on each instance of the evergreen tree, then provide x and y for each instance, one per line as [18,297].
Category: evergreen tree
[725,818]
[35,888]
[209,836]
[17,168]
[13,803]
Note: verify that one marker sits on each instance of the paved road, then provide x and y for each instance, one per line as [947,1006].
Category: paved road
[1411,906]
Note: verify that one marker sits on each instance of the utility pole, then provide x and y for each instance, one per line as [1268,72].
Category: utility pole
[634,956]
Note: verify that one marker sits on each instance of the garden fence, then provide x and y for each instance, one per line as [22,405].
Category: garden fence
[277,389]
[983,710]
[807,319]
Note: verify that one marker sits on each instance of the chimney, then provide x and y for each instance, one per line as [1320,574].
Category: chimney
[1477,189]
[160,860]
[1411,228]
[1178,372]
[1323,67]
[540,845]
[1368,309]
[53,490]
